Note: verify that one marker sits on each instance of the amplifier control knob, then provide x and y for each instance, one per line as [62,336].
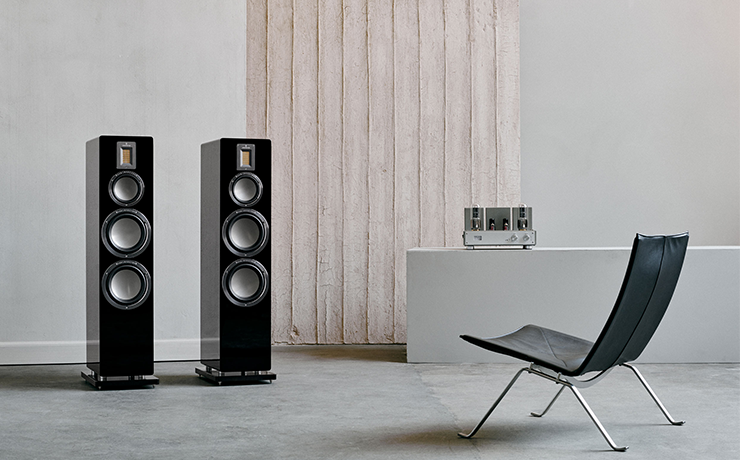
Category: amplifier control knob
[514,238]
[526,237]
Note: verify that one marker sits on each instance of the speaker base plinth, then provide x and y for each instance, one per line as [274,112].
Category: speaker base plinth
[235,378]
[120,383]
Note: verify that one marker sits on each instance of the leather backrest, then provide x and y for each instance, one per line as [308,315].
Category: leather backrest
[652,274]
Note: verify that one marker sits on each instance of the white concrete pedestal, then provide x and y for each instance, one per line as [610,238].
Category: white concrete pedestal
[490,292]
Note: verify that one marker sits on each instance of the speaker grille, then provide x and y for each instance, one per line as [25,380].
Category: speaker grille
[126,284]
[245,232]
[245,282]
[126,233]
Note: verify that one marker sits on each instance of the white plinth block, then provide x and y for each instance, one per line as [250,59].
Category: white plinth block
[492,292]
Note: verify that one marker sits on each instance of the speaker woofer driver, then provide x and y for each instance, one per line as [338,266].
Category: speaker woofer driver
[245,189]
[245,282]
[126,233]
[126,188]
[245,232]
[126,284]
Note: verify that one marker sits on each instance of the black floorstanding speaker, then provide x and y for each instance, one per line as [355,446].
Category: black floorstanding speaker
[120,261]
[235,261]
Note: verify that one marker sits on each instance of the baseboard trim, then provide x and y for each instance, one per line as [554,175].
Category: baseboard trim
[74,352]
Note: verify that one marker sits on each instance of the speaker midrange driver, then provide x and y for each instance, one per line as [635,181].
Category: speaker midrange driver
[246,189]
[245,232]
[126,188]
[126,233]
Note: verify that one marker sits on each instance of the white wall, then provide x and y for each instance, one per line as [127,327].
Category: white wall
[71,71]
[630,115]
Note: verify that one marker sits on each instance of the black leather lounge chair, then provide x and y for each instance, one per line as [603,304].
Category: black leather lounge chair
[652,273]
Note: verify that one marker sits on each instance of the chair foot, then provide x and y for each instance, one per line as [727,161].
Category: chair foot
[654,396]
[535,414]
[501,396]
[596,421]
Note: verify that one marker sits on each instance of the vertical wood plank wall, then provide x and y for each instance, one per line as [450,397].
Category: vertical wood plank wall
[387,118]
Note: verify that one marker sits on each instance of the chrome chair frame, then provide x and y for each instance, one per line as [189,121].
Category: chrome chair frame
[573,384]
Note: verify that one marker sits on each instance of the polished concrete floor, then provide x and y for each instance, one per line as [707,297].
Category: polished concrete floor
[365,402]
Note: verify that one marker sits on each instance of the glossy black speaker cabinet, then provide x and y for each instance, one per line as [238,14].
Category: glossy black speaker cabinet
[235,260]
[119,245]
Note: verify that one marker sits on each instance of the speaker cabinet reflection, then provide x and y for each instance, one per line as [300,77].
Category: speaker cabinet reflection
[120,261]
[235,260]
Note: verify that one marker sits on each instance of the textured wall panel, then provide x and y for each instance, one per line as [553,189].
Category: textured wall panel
[330,272]
[305,169]
[256,68]
[458,114]
[506,106]
[407,184]
[280,130]
[381,167]
[387,118]
[483,90]
[432,97]
[355,170]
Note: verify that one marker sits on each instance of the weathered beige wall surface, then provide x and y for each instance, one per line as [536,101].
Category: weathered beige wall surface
[387,118]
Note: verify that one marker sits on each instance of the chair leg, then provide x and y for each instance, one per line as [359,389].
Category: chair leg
[485,417]
[654,396]
[535,414]
[596,420]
